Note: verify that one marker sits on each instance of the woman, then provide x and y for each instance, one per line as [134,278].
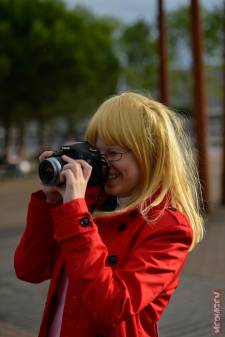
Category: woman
[113,272]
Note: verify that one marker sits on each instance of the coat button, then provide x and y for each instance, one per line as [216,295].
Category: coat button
[122,227]
[172,208]
[85,221]
[112,259]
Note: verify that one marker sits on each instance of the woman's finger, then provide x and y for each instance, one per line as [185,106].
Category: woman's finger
[45,155]
[72,165]
[86,168]
[68,159]
[78,166]
[68,177]
[71,160]
[75,168]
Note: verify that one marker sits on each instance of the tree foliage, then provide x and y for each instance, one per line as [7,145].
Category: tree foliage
[179,31]
[180,51]
[139,43]
[139,47]
[53,61]
[58,61]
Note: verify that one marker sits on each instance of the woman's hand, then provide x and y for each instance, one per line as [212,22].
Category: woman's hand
[75,174]
[51,192]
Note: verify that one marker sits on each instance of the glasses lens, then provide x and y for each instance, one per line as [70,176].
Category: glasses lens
[114,156]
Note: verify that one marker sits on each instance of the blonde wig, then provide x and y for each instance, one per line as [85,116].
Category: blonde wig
[157,139]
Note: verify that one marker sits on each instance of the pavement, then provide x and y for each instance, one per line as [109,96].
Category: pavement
[190,310]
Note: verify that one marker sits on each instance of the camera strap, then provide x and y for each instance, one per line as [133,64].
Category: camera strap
[110,204]
[93,207]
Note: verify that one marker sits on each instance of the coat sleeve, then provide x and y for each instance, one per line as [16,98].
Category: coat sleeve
[111,295]
[36,252]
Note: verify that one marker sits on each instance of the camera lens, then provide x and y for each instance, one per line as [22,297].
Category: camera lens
[49,170]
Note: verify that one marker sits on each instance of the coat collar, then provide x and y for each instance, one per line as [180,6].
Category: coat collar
[109,203]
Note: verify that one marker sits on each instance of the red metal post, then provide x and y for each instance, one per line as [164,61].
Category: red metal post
[200,100]
[163,55]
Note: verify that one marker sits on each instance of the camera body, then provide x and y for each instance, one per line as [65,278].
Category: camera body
[50,168]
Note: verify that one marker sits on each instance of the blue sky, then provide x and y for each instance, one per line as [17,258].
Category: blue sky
[131,10]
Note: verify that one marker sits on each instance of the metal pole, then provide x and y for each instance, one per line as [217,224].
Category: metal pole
[200,100]
[163,55]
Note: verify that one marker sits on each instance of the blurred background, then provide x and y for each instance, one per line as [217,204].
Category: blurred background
[58,61]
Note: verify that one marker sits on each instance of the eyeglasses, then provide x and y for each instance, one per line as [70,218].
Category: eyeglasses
[114,155]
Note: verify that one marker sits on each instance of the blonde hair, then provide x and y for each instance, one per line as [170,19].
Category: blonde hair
[157,139]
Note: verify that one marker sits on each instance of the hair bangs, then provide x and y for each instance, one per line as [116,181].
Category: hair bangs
[114,123]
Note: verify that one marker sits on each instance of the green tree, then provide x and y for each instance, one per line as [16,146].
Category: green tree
[139,48]
[53,60]
[180,51]
[179,29]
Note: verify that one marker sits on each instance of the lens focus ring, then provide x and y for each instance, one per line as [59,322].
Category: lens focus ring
[49,171]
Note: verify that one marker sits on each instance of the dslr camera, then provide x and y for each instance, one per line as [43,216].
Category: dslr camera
[50,168]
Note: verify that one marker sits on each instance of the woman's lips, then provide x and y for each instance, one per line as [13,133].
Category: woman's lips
[113,176]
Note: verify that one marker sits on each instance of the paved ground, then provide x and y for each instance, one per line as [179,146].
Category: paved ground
[190,311]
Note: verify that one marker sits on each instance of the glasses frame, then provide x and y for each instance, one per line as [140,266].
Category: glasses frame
[117,152]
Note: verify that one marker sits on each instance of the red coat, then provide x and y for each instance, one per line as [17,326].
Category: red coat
[122,271]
